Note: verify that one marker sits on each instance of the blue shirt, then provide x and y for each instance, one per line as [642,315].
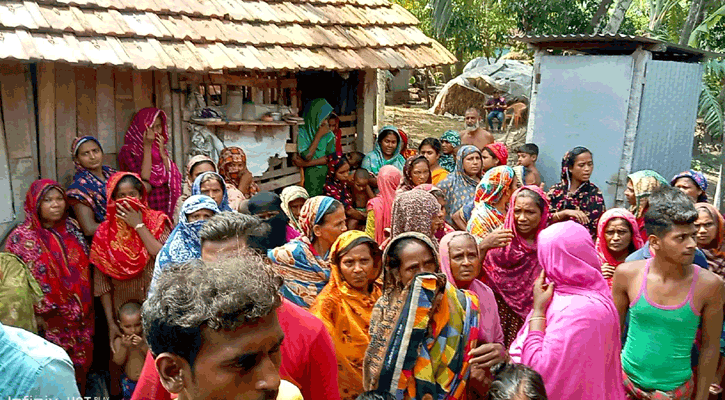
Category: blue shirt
[32,366]
[644,254]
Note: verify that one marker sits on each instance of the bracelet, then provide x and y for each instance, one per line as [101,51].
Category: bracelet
[537,319]
[139,226]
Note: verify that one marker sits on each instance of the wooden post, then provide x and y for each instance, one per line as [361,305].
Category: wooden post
[46,120]
[177,125]
[366,104]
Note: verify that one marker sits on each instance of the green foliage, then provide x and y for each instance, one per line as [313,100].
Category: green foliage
[710,107]
[703,30]
[552,17]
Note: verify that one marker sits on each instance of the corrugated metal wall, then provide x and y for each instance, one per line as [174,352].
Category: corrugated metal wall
[667,117]
[582,101]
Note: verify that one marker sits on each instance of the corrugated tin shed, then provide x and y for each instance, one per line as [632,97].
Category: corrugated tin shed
[210,35]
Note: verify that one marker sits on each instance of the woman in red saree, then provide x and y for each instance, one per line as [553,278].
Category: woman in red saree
[144,153]
[55,251]
[125,246]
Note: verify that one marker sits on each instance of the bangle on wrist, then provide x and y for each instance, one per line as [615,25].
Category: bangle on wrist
[139,226]
[537,319]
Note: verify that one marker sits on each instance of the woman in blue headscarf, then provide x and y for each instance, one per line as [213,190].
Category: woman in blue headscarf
[459,187]
[183,243]
[386,152]
[212,184]
[315,141]
[303,261]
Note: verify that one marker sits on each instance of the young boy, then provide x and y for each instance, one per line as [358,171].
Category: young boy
[527,155]
[668,298]
[130,349]
[361,193]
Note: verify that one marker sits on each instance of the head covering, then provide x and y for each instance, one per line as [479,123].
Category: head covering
[587,198]
[117,249]
[511,270]
[183,243]
[346,313]
[436,192]
[500,151]
[714,251]
[305,272]
[698,178]
[334,187]
[203,177]
[382,204]
[582,306]
[58,259]
[644,183]
[277,235]
[605,257]
[375,160]
[490,191]
[448,161]
[290,194]
[407,182]
[420,335]
[193,161]
[228,156]
[458,187]
[489,324]
[165,179]
[413,211]
[86,188]
[315,113]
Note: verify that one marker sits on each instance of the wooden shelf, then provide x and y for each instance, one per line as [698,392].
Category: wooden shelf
[245,123]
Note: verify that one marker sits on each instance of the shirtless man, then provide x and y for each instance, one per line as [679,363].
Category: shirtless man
[474,133]
[667,298]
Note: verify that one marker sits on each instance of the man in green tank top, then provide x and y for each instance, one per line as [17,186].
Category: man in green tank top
[667,297]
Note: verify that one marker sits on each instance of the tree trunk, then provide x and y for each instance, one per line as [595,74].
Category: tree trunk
[695,13]
[620,10]
[597,19]
[447,74]
[721,176]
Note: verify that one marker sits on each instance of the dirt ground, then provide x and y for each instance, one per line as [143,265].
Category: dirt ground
[419,124]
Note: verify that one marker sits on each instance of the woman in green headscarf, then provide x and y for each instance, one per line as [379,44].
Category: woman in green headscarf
[386,152]
[315,141]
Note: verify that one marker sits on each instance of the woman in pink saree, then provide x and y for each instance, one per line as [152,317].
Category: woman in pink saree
[571,337]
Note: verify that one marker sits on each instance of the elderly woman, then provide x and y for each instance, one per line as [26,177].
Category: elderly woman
[303,261]
[345,305]
[87,193]
[315,142]
[572,301]
[422,328]
[293,198]
[576,197]
[617,238]
[144,153]
[213,185]
[386,152]
[196,166]
[460,185]
[640,186]
[52,246]
[693,183]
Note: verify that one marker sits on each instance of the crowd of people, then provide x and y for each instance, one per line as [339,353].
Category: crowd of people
[437,273]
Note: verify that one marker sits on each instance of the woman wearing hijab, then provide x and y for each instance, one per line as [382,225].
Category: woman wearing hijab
[494,155]
[693,183]
[52,246]
[144,153]
[450,140]
[416,211]
[421,329]
[438,194]
[617,238]
[510,270]
[293,198]
[492,196]
[572,301]
[575,197]
[460,186]
[267,206]
[416,171]
[183,243]
[380,207]
[346,303]
[125,246]
[711,236]
[87,193]
[337,185]
[303,261]
[213,185]
[240,182]
[386,151]
[640,186]
[196,166]
[315,142]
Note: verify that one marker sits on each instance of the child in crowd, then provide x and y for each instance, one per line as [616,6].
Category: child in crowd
[355,159]
[527,155]
[361,193]
[129,350]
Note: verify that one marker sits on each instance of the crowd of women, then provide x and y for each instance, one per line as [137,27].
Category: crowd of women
[452,265]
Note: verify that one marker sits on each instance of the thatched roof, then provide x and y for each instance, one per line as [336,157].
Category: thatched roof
[205,35]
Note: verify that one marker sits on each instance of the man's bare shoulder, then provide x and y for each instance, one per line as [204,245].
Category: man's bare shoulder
[709,281]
